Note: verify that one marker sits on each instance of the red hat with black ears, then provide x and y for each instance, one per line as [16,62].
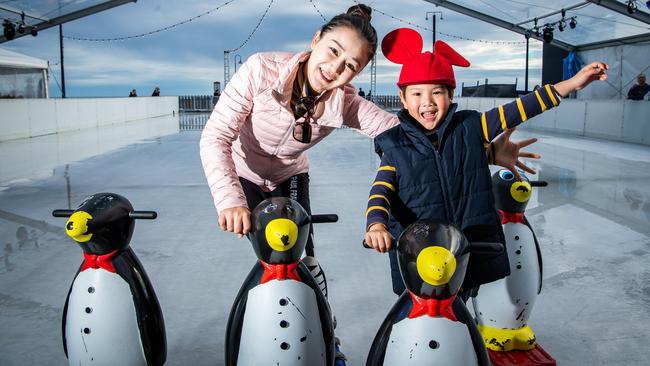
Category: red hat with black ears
[404,46]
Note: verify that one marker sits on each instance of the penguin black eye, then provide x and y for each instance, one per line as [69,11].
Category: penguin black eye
[506,175]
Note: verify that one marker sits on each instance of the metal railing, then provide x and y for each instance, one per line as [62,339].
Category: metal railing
[196,103]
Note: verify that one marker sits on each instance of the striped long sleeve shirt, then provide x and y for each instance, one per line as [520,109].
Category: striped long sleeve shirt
[493,122]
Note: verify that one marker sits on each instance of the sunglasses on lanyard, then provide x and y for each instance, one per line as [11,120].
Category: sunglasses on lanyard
[304,108]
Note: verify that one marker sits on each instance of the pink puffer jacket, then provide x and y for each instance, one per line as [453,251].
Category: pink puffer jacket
[249,133]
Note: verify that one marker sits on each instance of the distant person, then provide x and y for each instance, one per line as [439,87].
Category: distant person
[133,93]
[362,93]
[215,97]
[640,90]
[156,92]
[369,95]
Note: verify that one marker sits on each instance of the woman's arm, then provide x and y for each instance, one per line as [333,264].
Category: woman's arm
[365,116]
[222,128]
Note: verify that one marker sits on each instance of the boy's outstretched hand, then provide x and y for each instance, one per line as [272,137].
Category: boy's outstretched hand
[379,238]
[593,71]
[507,153]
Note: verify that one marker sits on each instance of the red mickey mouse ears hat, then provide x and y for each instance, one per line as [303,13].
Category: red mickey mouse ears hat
[404,46]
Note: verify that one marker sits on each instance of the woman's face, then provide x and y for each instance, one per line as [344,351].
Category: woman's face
[336,58]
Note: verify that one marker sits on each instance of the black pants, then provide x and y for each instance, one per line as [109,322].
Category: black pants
[296,188]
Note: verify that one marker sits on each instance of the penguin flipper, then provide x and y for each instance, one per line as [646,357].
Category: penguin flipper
[324,311]
[147,307]
[539,255]
[464,316]
[399,311]
[65,314]
[236,317]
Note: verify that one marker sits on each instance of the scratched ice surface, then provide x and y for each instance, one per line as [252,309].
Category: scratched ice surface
[592,221]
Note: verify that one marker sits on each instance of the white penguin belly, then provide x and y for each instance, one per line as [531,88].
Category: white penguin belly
[430,341]
[101,325]
[507,303]
[282,326]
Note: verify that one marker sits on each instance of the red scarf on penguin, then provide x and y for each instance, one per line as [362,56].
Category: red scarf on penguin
[404,46]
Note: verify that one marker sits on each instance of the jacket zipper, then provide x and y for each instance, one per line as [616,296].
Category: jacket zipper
[284,138]
[443,184]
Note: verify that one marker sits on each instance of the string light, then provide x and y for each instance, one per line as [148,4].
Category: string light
[318,11]
[254,29]
[151,32]
[442,33]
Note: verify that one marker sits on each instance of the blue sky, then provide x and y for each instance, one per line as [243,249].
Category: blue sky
[188,58]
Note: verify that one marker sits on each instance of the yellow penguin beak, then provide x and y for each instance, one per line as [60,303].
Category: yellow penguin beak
[436,265]
[521,191]
[77,226]
[281,234]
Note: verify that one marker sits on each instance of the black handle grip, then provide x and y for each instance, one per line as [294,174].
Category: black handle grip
[477,247]
[320,219]
[538,183]
[147,215]
[62,213]
[365,245]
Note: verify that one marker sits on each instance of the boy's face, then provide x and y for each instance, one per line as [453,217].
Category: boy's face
[427,103]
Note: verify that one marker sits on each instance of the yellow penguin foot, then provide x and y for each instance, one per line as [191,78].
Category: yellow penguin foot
[503,340]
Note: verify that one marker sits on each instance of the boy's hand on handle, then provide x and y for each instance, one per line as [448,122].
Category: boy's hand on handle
[507,153]
[593,71]
[236,220]
[379,238]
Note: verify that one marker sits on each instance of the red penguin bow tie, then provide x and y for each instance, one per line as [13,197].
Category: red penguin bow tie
[279,272]
[432,307]
[512,217]
[99,261]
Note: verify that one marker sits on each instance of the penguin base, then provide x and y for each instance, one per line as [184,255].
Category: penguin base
[534,357]
[502,340]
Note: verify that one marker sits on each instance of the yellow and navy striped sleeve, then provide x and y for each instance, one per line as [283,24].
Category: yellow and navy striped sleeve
[506,116]
[382,191]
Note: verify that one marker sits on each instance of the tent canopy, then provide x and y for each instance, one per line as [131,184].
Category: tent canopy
[18,60]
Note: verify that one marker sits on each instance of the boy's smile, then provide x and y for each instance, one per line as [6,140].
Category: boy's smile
[426,103]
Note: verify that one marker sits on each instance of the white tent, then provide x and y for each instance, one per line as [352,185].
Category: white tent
[22,76]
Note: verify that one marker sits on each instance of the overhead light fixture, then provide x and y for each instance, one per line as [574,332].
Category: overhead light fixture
[9,30]
[33,32]
[631,6]
[647,4]
[573,23]
[561,25]
[547,35]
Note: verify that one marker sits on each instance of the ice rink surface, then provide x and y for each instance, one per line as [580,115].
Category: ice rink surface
[592,222]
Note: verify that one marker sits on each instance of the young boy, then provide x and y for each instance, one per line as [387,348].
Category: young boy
[434,165]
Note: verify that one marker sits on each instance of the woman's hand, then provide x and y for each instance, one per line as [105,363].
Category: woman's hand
[507,153]
[379,238]
[236,220]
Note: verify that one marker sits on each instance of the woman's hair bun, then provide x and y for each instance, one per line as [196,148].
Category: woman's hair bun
[361,10]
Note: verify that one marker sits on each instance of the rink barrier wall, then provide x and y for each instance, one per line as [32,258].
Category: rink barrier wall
[618,120]
[24,118]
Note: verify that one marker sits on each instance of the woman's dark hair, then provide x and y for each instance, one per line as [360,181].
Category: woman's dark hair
[357,17]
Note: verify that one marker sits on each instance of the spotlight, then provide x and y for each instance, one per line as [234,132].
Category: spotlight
[9,30]
[33,32]
[573,23]
[547,34]
[647,4]
[561,25]
[631,6]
